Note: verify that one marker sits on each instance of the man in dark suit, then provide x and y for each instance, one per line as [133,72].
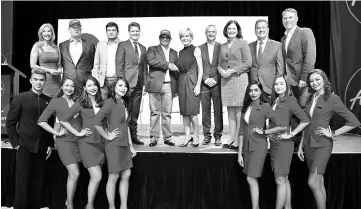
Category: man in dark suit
[267,59]
[33,144]
[299,52]
[77,55]
[211,88]
[131,64]
[162,86]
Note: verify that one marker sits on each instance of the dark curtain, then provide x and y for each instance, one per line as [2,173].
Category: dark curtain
[195,181]
[29,16]
[345,56]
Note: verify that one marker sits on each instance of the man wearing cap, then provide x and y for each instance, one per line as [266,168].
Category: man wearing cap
[130,61]
[162,86]
[77,55]
[211,88]
[104,60]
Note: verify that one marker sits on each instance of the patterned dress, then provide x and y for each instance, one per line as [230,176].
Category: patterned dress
[238,57]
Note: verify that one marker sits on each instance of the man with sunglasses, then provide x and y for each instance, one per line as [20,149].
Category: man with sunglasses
[161,85]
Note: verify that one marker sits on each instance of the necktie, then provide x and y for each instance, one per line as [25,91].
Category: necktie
[136,51]
[260,51]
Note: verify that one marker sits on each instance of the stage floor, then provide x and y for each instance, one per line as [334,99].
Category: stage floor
[342,144]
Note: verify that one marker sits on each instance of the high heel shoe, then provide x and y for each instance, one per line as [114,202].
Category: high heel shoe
[195,145]
[184,145]
[227,145]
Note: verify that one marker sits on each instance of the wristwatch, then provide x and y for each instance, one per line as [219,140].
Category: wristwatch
[264,132]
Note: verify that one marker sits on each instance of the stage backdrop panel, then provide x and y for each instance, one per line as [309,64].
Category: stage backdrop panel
[345,59]
[93,29]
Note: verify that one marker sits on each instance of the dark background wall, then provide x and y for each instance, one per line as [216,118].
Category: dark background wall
[29,16]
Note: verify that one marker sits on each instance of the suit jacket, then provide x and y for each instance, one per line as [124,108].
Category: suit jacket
[237,57]
[158,67]
[59,107]
[257,118]
[116,118]
[85,64]
[101,62]
[127,65]
[322,114]
[88,115]
[269,66]
[300,58]
[21,122]
[210,70]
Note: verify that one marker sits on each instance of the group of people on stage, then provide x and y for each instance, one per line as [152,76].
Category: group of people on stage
[270,88]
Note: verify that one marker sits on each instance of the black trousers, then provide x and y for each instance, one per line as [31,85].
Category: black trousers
[206,98]
[28,179]
[134,101]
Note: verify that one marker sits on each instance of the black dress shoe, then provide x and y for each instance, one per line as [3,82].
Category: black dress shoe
[206,141]
[169,142]
[218,142]
[137,141]
[153,143]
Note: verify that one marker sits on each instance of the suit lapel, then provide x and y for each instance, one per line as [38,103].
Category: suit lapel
[161,52]
[215,52]
[254,50]
[83,44]
[207,53]
[283,41]
[67,50]
[295,33]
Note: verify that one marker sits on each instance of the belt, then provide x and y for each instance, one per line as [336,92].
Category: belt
[165,82]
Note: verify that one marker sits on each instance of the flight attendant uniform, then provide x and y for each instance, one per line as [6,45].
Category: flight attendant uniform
[91,147]
[281,151]
[117,150]
[67,144]
[318,148]
[255,145]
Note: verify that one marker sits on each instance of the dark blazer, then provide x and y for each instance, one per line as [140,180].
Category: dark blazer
[269,66]
[210,70]
[85,64]
[59,107]
[158,67]
[87,115]
[116,117]
[286,108]
[300,58]
[322,114]
[127,65]
[257,118]
[21,122]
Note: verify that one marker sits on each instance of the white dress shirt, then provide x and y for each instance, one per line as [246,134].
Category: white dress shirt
[289,35]
[166,54]
[75,49]
[112,50]
[247,114]
[314,101]
[210,51]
